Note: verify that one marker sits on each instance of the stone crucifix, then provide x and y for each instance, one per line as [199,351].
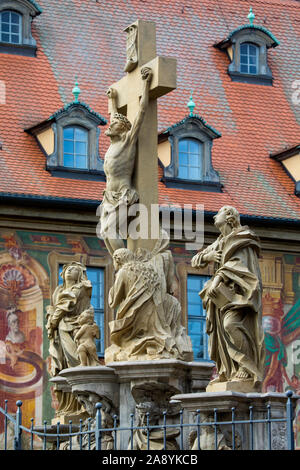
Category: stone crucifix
[131,161]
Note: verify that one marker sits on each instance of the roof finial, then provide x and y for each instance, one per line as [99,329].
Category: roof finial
[251,16]
[76,91]
[191,105]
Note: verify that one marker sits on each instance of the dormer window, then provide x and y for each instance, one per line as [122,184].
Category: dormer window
[11,27]
[247,49]
[290,160]
[15,26]
[70,141]
[184,150]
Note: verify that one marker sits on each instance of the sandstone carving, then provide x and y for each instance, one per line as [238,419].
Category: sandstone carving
[85,338]
[232,299]
[69,301]
[148,320]
[131,48]
[119,163]
[148,414]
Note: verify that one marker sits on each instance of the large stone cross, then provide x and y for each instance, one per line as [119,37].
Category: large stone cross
[141,52]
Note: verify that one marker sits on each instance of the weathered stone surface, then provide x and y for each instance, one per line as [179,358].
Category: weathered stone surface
[209,407]
[232,299]
[70,301]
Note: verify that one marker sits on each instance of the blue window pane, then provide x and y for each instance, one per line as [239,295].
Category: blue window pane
[197,317]
[194,327]
[252,60]
[244,68]
[183,172]
[80,134]
[14,39]
[193,147]
[194,310]
[194,160]
[68,146]
[15,18]
[183,158]
[69,133]
[244,49]
[183,145]
[5,27]
[80,148]
[194,283]
[5,37]
[194,298]
[15,29]
[252,49]
[5,17]
[80,161]
[252,69]
[68,160]
[244,59]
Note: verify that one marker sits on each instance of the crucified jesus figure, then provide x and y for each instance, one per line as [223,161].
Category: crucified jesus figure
[119,164]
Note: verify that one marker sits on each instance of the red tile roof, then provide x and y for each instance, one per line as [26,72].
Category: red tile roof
[85,38]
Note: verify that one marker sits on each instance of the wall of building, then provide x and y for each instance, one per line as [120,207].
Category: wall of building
[29,265]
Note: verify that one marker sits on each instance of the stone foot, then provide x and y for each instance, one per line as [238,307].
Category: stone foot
[242,374]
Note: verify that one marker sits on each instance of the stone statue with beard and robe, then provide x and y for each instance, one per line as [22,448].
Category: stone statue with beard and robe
[232,299]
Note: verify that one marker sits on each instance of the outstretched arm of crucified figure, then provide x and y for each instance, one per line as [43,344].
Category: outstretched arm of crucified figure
[147,74]
[112,96]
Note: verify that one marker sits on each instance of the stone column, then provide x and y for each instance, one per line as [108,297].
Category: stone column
[149,385]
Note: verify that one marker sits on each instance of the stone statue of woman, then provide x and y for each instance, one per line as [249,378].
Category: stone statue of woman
[69,300]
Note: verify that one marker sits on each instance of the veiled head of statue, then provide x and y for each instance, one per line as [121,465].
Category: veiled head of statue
[74,272]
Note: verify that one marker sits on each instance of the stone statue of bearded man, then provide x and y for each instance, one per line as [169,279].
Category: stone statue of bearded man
[232,299]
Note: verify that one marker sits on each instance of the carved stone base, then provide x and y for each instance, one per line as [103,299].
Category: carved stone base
[69,408]
[147,386]
[91,385]
[221,437]
[243,386]
[138,388]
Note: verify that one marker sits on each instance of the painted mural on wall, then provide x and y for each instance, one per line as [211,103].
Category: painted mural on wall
[25,278]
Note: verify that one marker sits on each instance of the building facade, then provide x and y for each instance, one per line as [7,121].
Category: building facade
[237,143]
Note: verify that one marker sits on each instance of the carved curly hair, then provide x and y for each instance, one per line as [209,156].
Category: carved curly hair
[124,120]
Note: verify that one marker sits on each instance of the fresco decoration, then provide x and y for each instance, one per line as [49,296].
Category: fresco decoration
[22,368]
[25,280]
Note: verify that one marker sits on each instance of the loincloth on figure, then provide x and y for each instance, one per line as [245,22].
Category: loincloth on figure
[114,211]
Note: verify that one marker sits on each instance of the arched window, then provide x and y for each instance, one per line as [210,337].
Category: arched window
[249,54]
[10,27]
[190,155]
[75,147]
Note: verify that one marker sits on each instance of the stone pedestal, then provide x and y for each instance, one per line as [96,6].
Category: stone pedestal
[131,389]
[67,411]
[210,407]
[245,386]
[100,380]
[150,385]
[91,385]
